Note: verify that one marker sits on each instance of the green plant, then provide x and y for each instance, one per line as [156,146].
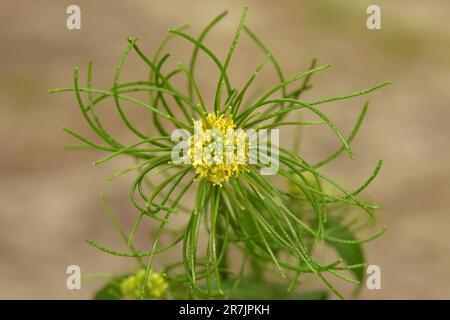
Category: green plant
[274,225]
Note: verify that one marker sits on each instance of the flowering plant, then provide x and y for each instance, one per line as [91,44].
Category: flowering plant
[254,223]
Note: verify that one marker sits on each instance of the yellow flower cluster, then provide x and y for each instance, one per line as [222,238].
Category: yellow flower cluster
[221,171]
[156,286]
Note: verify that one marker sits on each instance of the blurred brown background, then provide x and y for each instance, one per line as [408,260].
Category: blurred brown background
[49,198]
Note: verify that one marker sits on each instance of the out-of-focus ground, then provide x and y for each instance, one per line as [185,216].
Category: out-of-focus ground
[49,198]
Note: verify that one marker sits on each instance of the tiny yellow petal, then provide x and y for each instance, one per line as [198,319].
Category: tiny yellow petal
[218,172]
